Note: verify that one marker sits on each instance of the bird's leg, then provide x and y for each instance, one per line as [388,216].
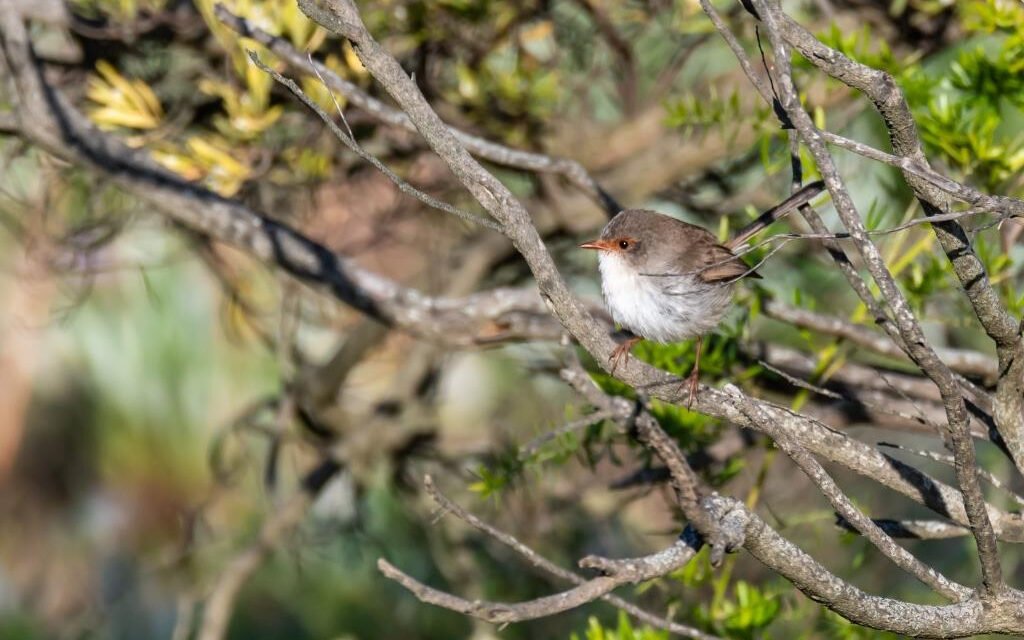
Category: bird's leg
[621,352]
[694,376]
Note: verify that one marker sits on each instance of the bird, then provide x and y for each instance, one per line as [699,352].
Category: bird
[666,280]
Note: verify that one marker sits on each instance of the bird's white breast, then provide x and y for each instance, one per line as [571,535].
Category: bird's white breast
[662,308]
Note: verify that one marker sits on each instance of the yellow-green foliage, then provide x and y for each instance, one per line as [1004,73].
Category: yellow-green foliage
[223,152]
[624,630]
[122,103]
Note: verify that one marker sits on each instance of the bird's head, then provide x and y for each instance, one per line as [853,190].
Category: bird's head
[632,237]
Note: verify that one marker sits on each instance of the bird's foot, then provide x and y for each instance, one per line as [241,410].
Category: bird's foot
[621,353]
[691,382]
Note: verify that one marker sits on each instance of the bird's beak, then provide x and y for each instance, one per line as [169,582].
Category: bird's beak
[600,245]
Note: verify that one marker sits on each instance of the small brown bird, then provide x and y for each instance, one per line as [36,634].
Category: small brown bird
[667,280]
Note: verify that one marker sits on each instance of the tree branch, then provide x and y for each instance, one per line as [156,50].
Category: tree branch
[918,348]
[916,529]
[619,573]
[963,361]
[831,445]
[45,119]
[542,563]
[999,324]
[818,583]
[992,478]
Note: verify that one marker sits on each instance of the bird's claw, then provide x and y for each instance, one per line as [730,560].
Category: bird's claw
[621,353]
[617,356]
[691,382]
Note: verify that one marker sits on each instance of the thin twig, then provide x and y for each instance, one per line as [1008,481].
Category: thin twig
[617,573]
[963,361]
[950,461]
[529,449]
[542,563]
[916,529]
[351,143]
[856,399]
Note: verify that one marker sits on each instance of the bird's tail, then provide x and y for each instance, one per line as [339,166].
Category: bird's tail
[795,201]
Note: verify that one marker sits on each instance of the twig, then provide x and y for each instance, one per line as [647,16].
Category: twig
[631,571]
[529,449]
[950,461]
[351,143]
[856,399]
[916,529]
[539,561]
[961,360]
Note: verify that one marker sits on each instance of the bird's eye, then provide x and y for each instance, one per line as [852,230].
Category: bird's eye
[623,244]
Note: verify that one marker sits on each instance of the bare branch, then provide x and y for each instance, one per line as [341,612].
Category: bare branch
[917,345]
[866,399]
[956,620]
[992,478]
[350,142]
[1000,325]
[1008,207]
[542,563]
[925,621]
[529,449]
[858,376]
[623,572]
[831,445]
[963,361]
[916,529]
[966,618]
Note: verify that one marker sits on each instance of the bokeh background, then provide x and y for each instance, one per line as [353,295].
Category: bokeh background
[148,415]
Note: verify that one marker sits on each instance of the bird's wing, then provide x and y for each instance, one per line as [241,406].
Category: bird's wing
[717,263]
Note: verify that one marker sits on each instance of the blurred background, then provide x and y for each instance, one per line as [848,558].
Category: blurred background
[163,396]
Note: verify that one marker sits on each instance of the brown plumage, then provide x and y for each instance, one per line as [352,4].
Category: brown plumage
[667,280]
